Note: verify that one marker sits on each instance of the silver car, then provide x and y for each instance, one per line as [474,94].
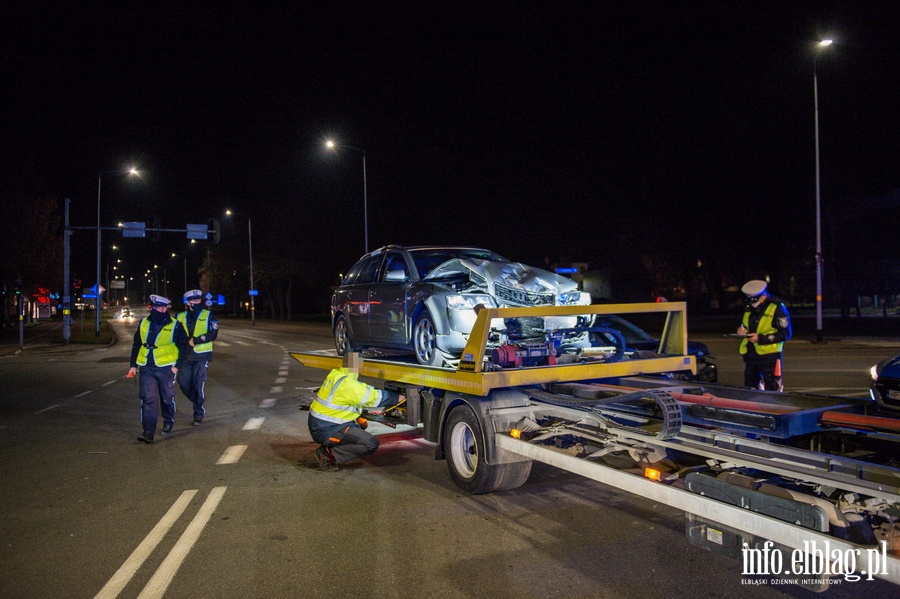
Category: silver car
[422,299]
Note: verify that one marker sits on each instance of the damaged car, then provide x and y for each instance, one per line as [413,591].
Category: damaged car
[422,299]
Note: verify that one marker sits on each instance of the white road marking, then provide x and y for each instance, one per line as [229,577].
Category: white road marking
[242,343]
[84,393]
[167,570]
[232,455]
[56,405]
[268,402]
[223,343]
[253,424]
[107,383]
[283,372]
[275,389]
[125,573]
[281,380]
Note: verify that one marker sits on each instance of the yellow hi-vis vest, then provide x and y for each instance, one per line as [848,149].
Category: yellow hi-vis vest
[165,352]
[342,397]
[763,328]
[201,327]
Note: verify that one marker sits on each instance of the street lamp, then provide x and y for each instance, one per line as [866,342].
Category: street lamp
[820,46]
[131,171]
[252,290]
[331,145]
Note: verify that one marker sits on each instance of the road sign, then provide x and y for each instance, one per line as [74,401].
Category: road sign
[254,292]
[95,292]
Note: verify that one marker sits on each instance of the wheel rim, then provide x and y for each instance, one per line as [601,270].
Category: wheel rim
[425,341]
[340,336]
[464,450]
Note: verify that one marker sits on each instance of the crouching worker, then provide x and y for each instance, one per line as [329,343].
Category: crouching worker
[333,414]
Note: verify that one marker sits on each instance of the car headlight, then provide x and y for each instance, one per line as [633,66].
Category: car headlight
[573,298]
[469,301]
[874,371]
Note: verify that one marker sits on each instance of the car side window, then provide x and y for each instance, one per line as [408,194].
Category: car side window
[394,262]
[369,272]
[352,274]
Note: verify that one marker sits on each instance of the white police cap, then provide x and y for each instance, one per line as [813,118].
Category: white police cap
[158,300]
[193,294]
[754,288]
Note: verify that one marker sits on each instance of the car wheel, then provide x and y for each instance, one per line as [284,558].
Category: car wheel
[342,341]
[425,341]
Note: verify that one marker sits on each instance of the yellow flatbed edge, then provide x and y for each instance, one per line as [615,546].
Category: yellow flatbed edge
[470,378]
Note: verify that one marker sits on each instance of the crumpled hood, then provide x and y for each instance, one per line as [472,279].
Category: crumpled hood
[514,275]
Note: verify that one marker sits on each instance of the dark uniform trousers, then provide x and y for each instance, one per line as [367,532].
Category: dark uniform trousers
[346,441]
[157,392]
[192,379]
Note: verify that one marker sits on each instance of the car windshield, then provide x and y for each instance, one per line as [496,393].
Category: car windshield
[428,260]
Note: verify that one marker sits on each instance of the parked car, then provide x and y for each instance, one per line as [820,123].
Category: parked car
[126,313]
[636,339]
[422,299]
[885,387]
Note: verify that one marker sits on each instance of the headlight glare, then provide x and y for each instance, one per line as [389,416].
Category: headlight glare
[469,301]
[573,298]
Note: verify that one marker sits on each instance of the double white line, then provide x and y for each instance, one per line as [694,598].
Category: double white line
[167,570]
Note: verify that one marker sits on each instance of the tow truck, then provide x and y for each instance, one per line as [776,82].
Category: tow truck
[759,474]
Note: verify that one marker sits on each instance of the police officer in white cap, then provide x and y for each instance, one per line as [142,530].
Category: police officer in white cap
[201,328]
[156,354]
[766,326]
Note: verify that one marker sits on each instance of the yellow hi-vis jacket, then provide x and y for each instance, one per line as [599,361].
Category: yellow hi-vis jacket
[342,397]
[201,327]
[764,328]
[165,352]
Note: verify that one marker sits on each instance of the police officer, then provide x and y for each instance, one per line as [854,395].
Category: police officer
[333,414]
[201,329]
[766,326]
[156,353]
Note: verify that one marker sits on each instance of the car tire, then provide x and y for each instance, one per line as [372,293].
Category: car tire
[425,341]
[343,342]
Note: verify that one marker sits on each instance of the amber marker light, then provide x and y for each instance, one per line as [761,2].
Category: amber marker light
[515,433]
[652,474]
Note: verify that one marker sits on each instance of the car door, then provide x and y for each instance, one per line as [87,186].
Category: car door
[387,301]
[356,299]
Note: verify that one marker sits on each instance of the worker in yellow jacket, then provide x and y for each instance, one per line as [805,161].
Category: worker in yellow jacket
[333,414]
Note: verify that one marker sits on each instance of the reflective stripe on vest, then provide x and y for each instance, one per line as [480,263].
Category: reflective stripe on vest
[763,328]
[341,398]
[201,327]
[165,352]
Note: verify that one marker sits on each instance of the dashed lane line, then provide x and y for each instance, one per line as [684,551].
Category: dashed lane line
[281,380]
[127,571]
[82,394]
[276,389]
[56,405]
[232,455]
[253,424]
[268,402]
[108,383]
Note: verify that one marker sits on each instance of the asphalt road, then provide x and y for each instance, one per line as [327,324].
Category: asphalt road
[236,507]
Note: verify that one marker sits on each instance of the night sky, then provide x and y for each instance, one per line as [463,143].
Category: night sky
[543,130]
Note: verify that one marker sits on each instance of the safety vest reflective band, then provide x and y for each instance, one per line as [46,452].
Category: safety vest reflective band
[201,327]
[165,352]
[763,328]
[342,397]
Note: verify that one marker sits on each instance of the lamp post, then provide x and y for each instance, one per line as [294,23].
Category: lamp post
[821,45]
[252,290]
[97,303]
[331,145]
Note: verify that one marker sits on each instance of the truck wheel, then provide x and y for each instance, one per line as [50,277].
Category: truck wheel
[425,341]
[464,448]
[342,341]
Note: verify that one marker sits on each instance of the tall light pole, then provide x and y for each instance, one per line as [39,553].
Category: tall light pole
[97,303]
[821,45]
[331,145]
[252,290]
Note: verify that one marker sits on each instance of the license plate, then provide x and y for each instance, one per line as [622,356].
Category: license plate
[893,393]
